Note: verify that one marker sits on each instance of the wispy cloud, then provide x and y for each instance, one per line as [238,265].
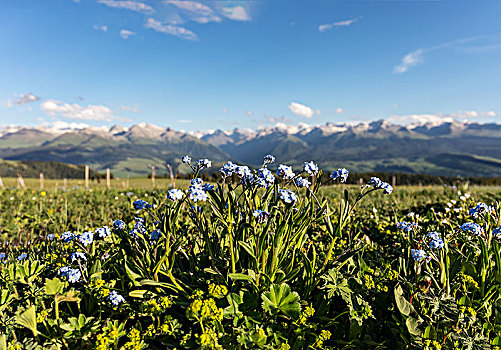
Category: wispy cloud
[416,57]
[345,23]
[125,33]
[23,99]
[249,113]
[197,11]
[185,121]
[136,6]
[339,110]
[129,109]
[236,13]
[76,111]
[101,28]
[170,29]
[440,117]
[302,110]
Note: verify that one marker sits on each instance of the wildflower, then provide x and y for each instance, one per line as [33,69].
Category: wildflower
[311,168]
[269,159]
[473,228]
[496,232]
[285,172]
[50,236]
[155,234]
[227,169]
[302,182]
[72,275]
[22,256]
[119,225]
[115,298]
[67,236]
[138,228]
[261,215]
[208,187]
[418,254]
[204,163]
[2,256]
[175,194]
[103,232]
[480,209]
[265,178]
[341,174]
[437,243]
[86,238]
[186,160]
[243,172]
[287,196]
[377,184]
[78,256]
[140,204]
[406,226]
[197,194]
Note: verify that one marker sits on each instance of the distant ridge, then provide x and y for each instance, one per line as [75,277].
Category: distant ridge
[447,148]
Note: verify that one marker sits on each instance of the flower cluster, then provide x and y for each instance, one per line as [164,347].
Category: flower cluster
[265,178]
[67,236]
[175,194]
[227,169]
[472,228]
[269,159]
[436,242]
[139,228]
[72,275]
[285,172]
[204,163]
[86,238]
[115,298]
[140,205]
[480,209]
[341,174]
[287,196]
[377,184]
[197,193]
[78,256]
[103,232]
[311,168]
[497,232]
[155,234]
[407,226]
[302,182]
[186,160]
[119,225]
[418,254]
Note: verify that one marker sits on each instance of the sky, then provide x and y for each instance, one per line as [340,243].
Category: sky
[199,65]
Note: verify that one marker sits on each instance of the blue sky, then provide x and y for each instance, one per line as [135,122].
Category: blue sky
[223,64]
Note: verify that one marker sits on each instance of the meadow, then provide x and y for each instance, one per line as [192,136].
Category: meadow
[266,261]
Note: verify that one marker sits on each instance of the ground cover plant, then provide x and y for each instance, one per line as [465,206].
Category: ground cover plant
[260,260]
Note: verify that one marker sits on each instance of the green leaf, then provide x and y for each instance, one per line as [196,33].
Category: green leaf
[139,293]
[240,277]
[412,325]
[28,319]
[403,305]
[280,298]
[54,286]
[3,342]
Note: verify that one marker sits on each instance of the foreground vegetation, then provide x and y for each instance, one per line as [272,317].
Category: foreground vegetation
[251,263]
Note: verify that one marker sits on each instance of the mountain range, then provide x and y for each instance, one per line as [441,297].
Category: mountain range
[449,148]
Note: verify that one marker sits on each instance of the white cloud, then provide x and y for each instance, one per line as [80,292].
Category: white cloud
[23,99]
[196,11]
[302,110]
[346,23]
[129,109]
[125,33]
[439,117]
[249,113]
[410,60]
[185,121]
[171,29]
[237,13]
[75,111]
[339,110]
[101,28]
[491,114]
[136,6]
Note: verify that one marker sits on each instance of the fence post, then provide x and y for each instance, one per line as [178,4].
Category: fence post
[20,181]
[1,183]
[108,178]
[127,182]
[360,181]
[65,183]
[394,181]
[86,176]
[41,181]
[153,175]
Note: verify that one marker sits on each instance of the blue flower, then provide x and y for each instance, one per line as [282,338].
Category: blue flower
[155,234]
[139,228]
[269,159]
[437,243]
[72,275]
[140,204]
[243,172]
[186,159]
[387,188]
[433,235]
[197,194]
[418,254]
[285,172]
[208,187]
[103,232]
[2,256]
[406,226]
[86,238]
[341,174]
[67,236]
[302,182]
[480,209]
[196,182]
[311,168]
[175,194]
[50,236]
[115,298]
[22,256]
[227,169]
[377,184]
[119,225]
[78,256]
[265,178]
[261,215]
[287,196]
[473,228]
[204,163]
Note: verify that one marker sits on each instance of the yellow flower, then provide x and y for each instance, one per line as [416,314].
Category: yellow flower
[43,194]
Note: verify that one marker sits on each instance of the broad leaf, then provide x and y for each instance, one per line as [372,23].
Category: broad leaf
[280,298]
